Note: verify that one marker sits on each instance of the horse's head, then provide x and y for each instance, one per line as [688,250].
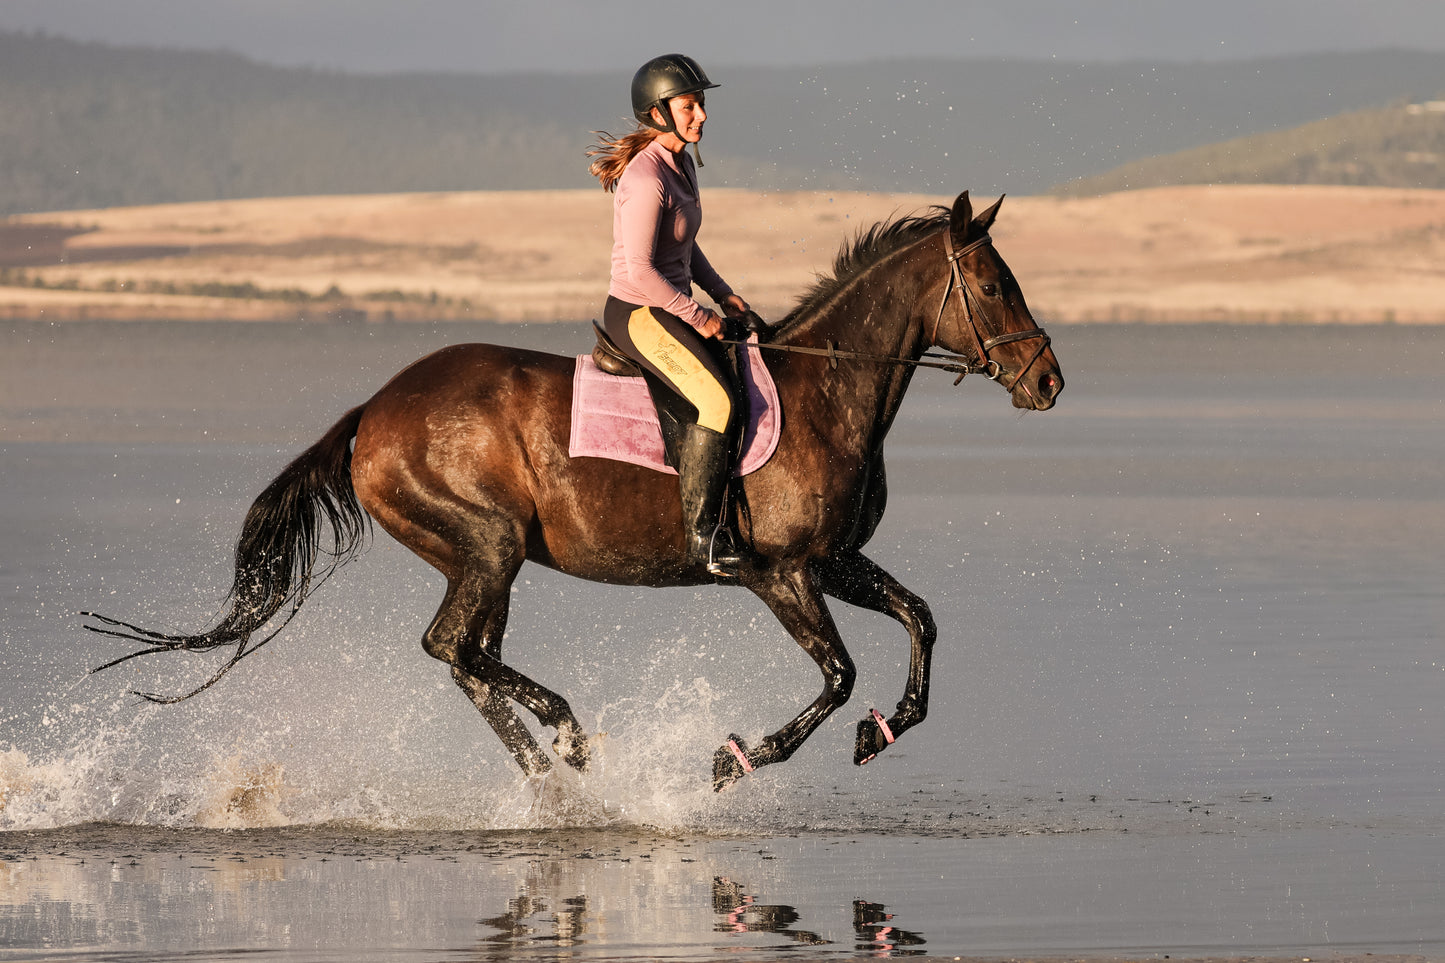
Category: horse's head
[983,315]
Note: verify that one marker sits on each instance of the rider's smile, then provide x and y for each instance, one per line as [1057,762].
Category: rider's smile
[688,117]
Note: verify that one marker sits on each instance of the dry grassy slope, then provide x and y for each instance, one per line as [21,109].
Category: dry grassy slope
[1183,253]
[1402,145]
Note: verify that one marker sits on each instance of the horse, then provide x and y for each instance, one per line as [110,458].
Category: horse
[463,458]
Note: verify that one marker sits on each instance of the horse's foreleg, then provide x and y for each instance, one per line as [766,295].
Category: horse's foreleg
[857,580]
[798,604]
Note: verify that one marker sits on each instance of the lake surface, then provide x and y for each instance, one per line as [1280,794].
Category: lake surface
[1188,697]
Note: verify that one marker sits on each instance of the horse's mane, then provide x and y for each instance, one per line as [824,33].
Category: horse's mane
[868,248]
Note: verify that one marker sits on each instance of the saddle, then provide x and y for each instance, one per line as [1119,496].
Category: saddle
[622,412]
[674,412]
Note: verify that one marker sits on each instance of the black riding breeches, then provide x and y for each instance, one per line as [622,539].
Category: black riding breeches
[673,350]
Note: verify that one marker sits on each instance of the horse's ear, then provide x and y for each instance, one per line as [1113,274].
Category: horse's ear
[960,218]
[985,220]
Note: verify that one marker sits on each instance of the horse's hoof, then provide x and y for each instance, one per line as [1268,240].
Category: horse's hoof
[730,763]
[573,749]
[873,737]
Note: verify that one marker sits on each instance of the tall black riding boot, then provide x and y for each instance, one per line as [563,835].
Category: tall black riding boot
[703,469]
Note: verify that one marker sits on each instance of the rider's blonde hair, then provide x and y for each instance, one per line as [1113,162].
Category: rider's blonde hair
[613,154]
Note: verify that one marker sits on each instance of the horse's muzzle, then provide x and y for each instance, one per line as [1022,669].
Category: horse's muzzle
[1038,393]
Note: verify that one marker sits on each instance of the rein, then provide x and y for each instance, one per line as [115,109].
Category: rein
[958,364]
[953,363]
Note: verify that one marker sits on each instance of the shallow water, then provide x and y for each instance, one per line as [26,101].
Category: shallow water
[326,894]
[1187,696]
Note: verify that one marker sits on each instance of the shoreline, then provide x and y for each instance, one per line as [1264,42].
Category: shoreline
[227,382]
[127,314]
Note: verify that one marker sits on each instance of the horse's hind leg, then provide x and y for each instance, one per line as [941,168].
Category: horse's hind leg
[500,715]
[467,634]
[487,626]
[857,580]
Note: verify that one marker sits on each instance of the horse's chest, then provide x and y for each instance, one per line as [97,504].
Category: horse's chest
[817,504]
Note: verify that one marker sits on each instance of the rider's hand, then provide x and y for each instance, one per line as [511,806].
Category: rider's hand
[734,306]
[711,326]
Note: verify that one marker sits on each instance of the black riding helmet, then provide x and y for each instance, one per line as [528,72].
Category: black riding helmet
[661,79]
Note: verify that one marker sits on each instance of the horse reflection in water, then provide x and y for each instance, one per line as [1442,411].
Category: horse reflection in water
[531,920]
[874,930]
[565,927]
[463,458]
[741,914]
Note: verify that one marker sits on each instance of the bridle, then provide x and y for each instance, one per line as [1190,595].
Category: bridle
[991,369]
[958,364]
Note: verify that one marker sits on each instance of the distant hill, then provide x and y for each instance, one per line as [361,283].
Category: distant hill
[88,125]
[1398,146]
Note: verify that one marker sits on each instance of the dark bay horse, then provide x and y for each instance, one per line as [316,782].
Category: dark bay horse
[462,457]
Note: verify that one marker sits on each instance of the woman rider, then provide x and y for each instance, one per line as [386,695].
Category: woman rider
[650,312]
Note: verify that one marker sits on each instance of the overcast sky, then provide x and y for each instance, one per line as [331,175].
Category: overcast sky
[566,35]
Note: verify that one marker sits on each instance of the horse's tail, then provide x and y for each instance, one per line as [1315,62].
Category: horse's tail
[278,556]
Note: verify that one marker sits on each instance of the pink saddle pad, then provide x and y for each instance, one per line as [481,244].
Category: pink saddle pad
[614,417]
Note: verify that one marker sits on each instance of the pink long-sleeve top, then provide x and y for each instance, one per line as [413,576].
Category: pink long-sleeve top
[656,213]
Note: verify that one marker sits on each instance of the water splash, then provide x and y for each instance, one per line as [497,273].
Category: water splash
[76,786]
[244,794]
[650,767]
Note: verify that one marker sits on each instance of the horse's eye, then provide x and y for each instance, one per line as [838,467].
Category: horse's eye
[990,290]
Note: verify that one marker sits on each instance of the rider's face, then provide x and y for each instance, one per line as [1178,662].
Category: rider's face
[688,116]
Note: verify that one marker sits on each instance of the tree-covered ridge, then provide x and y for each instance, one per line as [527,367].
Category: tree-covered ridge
[89,125]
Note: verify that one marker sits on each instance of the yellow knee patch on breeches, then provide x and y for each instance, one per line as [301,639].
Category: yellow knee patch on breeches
[688,375]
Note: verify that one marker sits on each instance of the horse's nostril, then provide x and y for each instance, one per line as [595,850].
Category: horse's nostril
[1049,386]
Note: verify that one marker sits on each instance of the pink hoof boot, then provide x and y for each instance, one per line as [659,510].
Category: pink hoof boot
[730,763]
[874,736]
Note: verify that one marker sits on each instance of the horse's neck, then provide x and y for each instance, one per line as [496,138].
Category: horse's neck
[879,313]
